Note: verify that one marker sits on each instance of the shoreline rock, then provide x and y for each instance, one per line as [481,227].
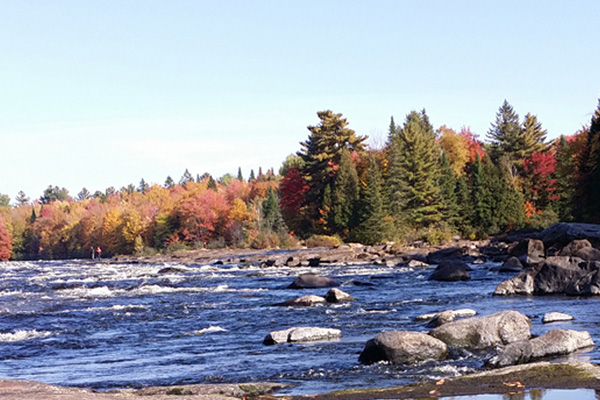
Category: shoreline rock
[302,334]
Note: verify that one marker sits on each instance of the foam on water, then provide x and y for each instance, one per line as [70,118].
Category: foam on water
[21,335]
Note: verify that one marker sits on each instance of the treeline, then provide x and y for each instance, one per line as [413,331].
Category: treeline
[424,184]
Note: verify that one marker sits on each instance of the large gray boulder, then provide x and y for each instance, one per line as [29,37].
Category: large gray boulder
[302,334]
[528,251]
[480,332]
[312,281]
[511,265]
[554,343]
[451,271]
[403,347]
[586,285]
[572,248]
[559,235]
[554,275]
[447,254]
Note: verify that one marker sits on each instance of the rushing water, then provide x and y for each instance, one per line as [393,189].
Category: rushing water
[127,325]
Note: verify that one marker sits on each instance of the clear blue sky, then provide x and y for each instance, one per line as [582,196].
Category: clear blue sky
[103,93]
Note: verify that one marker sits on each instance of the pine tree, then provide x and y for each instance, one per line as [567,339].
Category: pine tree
[534,137]
[565,174]
[186,177]
[212,184]
[84,194]
[143,186]
[344,196]
[22,198]
[587,204]
[240,177]
[372,227]
[321,154]
[481,197]
[414,173]
[252,177]
[271,220]
[505,134]
[169,182]
[448,184]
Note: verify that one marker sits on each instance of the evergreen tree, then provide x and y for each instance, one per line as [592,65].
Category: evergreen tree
[142,188]
[588,204]
[169,182]
[414,173]
[53,194]
[464,205]
[33,215]
[534,137]
[240,177]
[22,198]
[505,134]
[212,184]
[565,174]
[344,196]
[372,227]
[252,177]
[322,154]
[271,215]
[481,197]
[84,194]
[448,185]
[186,177]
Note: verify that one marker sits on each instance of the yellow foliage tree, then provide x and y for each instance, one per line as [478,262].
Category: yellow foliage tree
[456,148]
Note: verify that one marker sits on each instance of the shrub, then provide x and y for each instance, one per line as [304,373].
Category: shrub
[322,241]
[265,240]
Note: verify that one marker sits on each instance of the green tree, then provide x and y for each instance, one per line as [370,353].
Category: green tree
[565,174]
[169,182]
[212,184]
[414,172]
[534,137]
[271,219]
[588,204]
[186,177]
[344,196]
[505,134]
[143,186]
[448,184]
[372,222]
[22,198]
[481,196]
[240,177]
[84,194]
[4,200]
[252,176]
[322,153]
[53,194]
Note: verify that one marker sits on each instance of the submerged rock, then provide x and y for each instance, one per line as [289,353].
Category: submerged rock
[403,347]
[311,281]
[556,317]
[554,343]
[480,332]
[451,271]
[302,334]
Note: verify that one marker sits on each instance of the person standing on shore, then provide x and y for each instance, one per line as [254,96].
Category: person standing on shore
[99,252]
[93,252]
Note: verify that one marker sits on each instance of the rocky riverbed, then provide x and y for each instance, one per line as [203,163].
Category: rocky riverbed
[202,317]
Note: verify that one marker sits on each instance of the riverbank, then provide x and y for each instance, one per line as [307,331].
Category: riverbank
[510,380]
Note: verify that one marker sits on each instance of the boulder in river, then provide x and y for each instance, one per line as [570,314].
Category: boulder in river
[306,301]
[302,334]
[554,275]
[586,285]
[338,296]
[480,332]
[560,234]
[451,271]
[554,343]
[311,281]
[447,254]
[556,317]
[445,317]
[511,265]
[403,347]
[528,251]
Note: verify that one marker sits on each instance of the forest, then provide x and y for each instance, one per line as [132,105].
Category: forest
[424,184]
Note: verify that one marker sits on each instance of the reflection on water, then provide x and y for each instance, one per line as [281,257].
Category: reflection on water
[537,394]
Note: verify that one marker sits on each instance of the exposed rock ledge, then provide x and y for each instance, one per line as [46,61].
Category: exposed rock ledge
[542,375]
[26,390]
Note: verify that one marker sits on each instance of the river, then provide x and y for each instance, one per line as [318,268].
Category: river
[110,325]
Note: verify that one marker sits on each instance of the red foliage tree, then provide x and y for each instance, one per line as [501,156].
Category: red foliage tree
[291,197]
[539,182]
[475,145]
[5,241]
